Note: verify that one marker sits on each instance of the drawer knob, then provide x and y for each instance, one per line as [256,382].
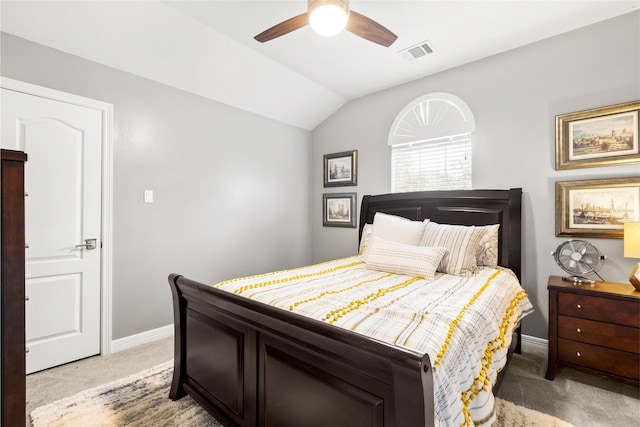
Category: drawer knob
[579,306]
[578,354]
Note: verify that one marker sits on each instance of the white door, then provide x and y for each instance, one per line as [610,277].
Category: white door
[63,208]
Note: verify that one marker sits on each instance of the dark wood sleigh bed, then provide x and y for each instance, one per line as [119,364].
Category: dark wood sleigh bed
[251,364]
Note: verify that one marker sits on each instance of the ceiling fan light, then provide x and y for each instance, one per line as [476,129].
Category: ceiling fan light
[328,18]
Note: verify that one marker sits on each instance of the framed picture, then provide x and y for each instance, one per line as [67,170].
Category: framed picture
[605,136]
[339,210]
[341,169]
[597,207]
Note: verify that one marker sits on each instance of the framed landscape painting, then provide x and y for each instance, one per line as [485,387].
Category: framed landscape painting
[597,207]
[340,169]
[339,210]
[605,136]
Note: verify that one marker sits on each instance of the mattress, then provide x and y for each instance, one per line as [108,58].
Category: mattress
[464,324]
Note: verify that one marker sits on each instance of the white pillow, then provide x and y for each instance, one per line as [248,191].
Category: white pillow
[487,254]
[462,243]
[398,229]
[366,236]
[398,258]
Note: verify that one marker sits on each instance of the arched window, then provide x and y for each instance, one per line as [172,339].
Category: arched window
[431,144]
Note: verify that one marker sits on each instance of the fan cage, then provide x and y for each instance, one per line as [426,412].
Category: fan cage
[578,257]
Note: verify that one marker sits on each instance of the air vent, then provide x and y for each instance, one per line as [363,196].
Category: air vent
[418,51]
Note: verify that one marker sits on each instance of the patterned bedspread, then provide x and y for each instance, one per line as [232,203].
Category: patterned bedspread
[463,323]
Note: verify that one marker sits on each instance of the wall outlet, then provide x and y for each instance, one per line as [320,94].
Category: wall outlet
[148,196]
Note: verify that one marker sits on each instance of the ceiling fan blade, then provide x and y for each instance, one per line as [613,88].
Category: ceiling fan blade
[369,29]
[283,28]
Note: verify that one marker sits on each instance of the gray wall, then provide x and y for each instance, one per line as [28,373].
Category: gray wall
[226,183]
[514,97]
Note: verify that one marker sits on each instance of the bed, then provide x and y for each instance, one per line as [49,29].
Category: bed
[250,363]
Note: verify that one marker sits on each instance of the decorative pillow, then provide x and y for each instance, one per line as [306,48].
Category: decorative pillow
[366,236]
[462,243]
[487,255]
[398,229]
[398,258]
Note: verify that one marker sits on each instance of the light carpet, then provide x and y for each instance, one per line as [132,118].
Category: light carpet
[143,400]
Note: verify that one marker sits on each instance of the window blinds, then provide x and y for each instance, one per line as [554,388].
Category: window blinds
[437,164]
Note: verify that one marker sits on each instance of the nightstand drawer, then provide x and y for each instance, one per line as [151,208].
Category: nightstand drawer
[596,308]
[604,334]
[600,358]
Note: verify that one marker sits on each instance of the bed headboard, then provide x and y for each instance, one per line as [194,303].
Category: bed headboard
[460,207]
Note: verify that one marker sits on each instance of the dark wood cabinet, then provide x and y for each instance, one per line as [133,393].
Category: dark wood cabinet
[13,290]
[594,328]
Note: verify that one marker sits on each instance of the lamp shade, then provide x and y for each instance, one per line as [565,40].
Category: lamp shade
[632,239]
[328,17]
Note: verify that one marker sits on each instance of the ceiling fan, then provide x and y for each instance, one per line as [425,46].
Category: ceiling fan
[335,14]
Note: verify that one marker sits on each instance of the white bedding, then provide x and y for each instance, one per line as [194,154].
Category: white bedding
[464,323]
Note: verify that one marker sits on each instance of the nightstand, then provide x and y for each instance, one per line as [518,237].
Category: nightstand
[594,328]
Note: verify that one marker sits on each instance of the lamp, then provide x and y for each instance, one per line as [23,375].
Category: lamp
[328,17]
[632,250]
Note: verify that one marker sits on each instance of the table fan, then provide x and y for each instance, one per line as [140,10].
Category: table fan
[578,257]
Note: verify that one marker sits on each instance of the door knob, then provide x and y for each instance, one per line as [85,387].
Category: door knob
[90,244]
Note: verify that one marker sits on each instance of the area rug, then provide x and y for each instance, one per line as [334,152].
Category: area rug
[143,400]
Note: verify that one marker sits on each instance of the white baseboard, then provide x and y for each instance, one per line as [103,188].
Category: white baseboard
[529,343]
[534,344]
[141,338]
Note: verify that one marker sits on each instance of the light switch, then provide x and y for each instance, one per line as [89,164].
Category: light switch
[148,196]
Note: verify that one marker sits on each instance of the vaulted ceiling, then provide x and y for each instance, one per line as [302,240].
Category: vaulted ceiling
[207,47]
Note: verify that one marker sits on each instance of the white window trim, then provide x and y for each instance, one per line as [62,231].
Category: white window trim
[425,128]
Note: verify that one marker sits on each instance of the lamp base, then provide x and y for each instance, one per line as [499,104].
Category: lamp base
[634,277]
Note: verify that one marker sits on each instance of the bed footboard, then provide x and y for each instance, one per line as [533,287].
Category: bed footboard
[251,364]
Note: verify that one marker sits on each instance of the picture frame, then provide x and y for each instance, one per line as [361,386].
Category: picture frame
[596,207]
[605,136]
[339,210]
[341,169]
